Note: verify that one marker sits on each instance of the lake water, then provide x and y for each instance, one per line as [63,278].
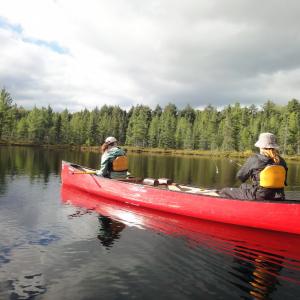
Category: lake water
[56,245]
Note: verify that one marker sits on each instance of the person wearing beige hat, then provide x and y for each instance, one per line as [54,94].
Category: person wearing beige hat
[267,171]
[114,163]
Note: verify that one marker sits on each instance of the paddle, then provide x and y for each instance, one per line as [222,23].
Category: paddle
[85,172]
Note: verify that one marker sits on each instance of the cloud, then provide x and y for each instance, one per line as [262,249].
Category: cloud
[78,54]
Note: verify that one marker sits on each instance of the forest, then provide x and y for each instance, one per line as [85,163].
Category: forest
[232,128]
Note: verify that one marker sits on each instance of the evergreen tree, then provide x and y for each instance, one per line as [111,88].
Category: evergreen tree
[157,111]
[154,133]
[205,129]
[65,127]
[22,129]
[57,128]
[92,132]
[118,124]
[183,134]
[104,127]
[168,127]
[228,134]
[138,125]
[188,113]
[36,126]
[5,106]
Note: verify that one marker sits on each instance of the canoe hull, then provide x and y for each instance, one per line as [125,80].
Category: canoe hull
[227,238]
[278,216]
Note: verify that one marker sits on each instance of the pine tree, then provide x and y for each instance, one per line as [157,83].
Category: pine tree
[92,132]
[22,129]
[138,125]
[168,127]
[5,106]
[154,133]
[65,127]
[183,134]
[36,126]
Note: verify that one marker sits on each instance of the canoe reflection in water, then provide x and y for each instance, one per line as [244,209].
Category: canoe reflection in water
[258,272]
[261,260]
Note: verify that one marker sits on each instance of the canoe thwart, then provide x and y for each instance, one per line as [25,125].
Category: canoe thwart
[164,181]
[150,181]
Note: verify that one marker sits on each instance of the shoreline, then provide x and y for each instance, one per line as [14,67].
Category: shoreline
[142,150]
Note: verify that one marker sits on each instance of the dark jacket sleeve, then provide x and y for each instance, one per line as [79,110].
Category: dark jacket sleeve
[246,170]
[283,163]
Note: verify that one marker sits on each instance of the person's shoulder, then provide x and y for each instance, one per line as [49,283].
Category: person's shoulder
[263,158]
[122,151]
[118,151]
[257,161]
[282,161]
[254,157]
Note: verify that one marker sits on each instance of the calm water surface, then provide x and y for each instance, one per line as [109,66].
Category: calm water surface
[56,245]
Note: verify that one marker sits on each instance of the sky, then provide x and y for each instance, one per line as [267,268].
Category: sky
[81,54]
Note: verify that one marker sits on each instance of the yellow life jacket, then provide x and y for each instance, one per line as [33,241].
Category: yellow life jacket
[120,164]
[272,177]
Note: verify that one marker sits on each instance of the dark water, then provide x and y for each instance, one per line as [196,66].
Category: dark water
[54,244]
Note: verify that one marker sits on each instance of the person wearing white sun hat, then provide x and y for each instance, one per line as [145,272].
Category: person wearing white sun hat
[267,170]
[114,163]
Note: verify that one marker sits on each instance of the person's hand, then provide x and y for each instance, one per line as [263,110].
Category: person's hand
[99,173]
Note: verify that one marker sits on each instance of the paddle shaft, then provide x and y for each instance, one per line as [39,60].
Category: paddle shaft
[85,172]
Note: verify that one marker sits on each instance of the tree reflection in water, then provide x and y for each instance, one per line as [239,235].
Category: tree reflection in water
[109,230]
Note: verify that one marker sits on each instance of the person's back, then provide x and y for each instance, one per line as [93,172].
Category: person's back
[114,163]
[267,171]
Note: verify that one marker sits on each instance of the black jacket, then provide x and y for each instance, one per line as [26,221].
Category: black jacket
[251,169]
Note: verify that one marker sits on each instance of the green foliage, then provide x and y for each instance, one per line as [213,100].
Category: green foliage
[205,129]
[234,128]
[6,116]
[138,125]
[167,127]
[154,133]
[183,134]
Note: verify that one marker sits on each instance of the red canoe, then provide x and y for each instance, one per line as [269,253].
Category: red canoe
[279,216]
[234,240]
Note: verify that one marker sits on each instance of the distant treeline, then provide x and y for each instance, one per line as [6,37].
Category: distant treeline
[234,128]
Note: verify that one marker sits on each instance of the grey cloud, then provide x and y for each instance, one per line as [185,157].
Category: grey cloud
[196,52]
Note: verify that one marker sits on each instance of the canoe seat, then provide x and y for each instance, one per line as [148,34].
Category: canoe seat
[131,179]
[195,190]
[172,187]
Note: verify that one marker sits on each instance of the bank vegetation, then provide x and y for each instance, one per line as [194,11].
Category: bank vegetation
[231,131]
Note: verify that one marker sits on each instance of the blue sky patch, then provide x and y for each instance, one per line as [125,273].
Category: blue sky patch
[54,46]
[17,28]
[12,27]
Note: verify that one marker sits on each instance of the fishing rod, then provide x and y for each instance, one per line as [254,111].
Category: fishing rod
[234,162]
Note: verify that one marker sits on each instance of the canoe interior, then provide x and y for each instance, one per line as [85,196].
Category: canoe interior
[290,198]
[172,187]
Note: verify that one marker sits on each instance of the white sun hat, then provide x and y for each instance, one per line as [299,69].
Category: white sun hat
[110,140]
[267,140]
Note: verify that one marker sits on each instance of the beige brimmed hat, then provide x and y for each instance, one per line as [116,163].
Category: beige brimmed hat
[267,140]
[110,140]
